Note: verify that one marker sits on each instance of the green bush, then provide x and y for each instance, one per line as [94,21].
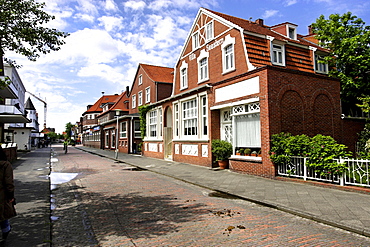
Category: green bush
[221,149]
[321,150]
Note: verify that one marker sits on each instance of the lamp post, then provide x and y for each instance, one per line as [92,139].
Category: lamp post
[117,133]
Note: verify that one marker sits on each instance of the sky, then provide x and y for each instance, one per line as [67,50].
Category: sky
[109,38]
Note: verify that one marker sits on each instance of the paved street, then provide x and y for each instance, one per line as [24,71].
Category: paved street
[111,204]
[97,201]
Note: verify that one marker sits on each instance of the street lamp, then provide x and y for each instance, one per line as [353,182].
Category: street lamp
[117,133]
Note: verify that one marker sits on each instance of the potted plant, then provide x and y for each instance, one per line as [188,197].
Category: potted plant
[254,153]
[247,151]
[222,150]
[241,151]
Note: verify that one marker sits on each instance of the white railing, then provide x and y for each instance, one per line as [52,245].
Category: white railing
[357,173]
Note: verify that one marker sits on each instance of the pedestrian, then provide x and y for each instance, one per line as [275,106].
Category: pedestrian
[7,200]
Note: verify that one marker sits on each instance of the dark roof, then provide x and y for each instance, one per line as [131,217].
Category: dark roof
[29,105]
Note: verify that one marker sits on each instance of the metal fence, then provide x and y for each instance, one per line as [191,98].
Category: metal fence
[357,172]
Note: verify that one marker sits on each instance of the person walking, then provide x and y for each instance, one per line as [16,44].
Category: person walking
[7,200]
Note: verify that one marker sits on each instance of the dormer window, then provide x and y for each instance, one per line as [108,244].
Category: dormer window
[320,65]
[291,31]
[278,55]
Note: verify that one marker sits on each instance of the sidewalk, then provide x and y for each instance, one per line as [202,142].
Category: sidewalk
[31,226]
[347,210]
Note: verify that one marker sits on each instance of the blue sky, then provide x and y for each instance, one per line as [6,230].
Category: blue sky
[109,38]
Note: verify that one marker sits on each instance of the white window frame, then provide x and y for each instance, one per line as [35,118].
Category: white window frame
[203,70]
[195,40]
[154,124]
[140,98]
[133,101]
[123,130]
[113,138]
[291,27]
[107,138]
[147,95]
[203,104]
[277,49]
[137,131]
[209,31]
[184,78]
[140,80]
[322,68]
[228,59]
[186,117]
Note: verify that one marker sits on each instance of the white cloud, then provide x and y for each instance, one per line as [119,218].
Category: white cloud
[290,2]
[134,5]
[269,13]
[103,71]
[110,22]
[110,5]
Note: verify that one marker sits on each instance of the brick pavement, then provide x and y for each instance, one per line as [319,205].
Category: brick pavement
[347,210]
[111,204]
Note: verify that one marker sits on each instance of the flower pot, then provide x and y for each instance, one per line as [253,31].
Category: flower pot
[223,164]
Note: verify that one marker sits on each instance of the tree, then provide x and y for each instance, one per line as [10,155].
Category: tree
[348,39]
[22,30]
[69,127]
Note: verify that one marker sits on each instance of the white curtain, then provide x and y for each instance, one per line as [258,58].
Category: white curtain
[247,130]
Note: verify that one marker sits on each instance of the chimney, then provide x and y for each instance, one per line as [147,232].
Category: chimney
[310,32]
[127,91]
[260,22]
[89,106]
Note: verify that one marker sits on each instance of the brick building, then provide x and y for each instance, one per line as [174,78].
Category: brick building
[242,81]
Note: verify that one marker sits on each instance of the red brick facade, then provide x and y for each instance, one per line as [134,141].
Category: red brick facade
[239,81]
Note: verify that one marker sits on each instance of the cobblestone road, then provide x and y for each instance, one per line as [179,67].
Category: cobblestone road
[108,204]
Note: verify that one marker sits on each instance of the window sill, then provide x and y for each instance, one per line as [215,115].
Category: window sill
[199,82]
[190,140]
[228,71]
[246,158]
[152,140]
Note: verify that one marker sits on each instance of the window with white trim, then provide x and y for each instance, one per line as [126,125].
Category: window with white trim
[107,138]
[195,40]
[184,75]
[278,54]
[241,125]
[320,66]
[134,101]
[190,118]
[123,132]
[204,115]
[140,98]
[203,69]
[203,66]
[228,57]
[140,79]
[209,31]
[147,95]
[153,123]
[113,141]
[177,118]
[184,78]
[137,131]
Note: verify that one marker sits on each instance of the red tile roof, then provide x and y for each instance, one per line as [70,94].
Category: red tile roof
[158,73]
[264,30]
[103,99]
